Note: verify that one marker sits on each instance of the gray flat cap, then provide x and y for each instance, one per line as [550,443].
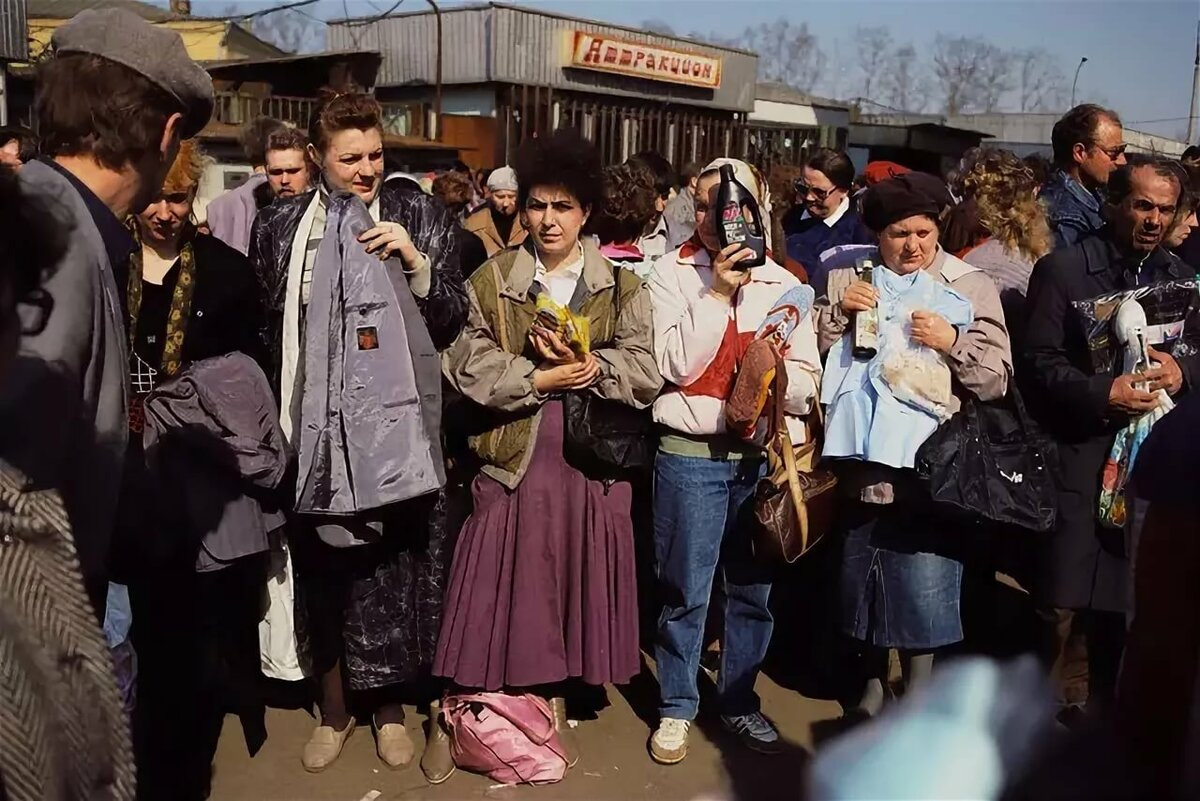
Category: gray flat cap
[155,52]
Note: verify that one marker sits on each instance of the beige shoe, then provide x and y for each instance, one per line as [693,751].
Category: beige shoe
[437,763]
[325,746]
[566,735]
[393,745]
[669,745]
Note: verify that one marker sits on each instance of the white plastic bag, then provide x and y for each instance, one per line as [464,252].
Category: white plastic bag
[916,375]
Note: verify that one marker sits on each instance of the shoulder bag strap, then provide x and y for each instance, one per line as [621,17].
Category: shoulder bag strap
[781,440]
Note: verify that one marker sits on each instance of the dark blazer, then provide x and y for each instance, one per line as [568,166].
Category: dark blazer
[226,316]
[227,311]
[1085,566]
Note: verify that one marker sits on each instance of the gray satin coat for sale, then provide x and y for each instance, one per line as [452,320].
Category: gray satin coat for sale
[370,418]
[213,435]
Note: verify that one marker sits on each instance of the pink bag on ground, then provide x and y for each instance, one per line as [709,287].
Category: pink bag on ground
[509,738]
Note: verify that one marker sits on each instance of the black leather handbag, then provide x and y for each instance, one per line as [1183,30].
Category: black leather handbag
[990,463]
[607,439]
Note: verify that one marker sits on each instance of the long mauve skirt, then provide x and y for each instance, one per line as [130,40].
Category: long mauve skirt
[543,585]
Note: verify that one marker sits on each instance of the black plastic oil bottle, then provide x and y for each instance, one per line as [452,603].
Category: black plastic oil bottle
[741,221]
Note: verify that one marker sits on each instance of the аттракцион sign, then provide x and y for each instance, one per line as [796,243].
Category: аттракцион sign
[591,51]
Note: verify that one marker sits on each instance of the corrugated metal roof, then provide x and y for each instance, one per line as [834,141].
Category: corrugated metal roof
[510,44]
[782,93]
[551,15]
[14,44]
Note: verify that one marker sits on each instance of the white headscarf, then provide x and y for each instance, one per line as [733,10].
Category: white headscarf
[753,180]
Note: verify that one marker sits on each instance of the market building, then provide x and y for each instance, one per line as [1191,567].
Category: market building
[788,124]
[206,38]
[507,73]
[927,142]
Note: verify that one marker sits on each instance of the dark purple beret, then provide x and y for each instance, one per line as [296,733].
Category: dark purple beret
[906,195]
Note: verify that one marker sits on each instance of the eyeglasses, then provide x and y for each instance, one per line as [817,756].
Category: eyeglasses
[804,190]
[1113,153]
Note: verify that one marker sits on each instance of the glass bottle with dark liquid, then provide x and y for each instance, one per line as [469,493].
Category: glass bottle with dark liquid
[866,323]
[741,222]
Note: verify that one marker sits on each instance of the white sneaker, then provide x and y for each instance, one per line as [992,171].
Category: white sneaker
[669,744]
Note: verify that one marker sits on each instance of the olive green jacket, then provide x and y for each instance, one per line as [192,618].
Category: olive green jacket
[492,363]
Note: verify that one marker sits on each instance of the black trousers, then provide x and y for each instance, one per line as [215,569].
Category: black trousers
[196,637]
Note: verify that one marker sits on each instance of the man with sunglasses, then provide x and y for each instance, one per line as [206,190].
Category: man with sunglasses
[1088,145]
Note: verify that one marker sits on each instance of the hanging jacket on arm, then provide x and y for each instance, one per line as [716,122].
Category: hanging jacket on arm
[370,418]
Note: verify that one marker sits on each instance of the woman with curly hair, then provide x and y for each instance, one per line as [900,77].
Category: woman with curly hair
[542,589]
[1000,226]
[629,197]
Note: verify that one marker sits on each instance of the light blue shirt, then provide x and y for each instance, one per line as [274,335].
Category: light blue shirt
[865,420]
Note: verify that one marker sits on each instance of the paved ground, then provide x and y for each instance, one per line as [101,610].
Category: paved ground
[615,764]
[807,663]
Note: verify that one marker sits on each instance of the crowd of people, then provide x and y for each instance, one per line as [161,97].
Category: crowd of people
[483,443]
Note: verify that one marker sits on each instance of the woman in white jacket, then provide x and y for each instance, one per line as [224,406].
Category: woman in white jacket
[707,310]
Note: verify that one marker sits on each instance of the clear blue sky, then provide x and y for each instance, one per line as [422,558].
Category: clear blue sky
[1140,52]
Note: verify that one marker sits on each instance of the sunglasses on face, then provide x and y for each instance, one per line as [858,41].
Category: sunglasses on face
[1113,153]
[804,190]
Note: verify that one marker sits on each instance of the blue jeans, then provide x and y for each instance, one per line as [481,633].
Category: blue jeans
[701,510]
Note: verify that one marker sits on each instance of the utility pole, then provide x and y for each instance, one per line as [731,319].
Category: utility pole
[1194,106]
[437,97]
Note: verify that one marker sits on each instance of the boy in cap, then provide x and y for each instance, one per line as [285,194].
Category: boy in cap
[112,106]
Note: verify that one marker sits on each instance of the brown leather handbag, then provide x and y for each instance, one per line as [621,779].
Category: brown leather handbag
[794,504]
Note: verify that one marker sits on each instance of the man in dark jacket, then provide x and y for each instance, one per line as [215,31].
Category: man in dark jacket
[1088,145]
[1085,566]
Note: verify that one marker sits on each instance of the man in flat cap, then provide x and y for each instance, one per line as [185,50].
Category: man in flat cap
[112,106]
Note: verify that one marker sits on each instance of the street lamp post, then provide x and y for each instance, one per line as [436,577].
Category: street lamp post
[437,98]
[1075,82]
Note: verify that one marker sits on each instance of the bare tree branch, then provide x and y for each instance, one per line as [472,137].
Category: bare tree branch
[291,31]
[787,53]
[903,84]
[971,73]
[659,26]
[874,52]
[1041,82]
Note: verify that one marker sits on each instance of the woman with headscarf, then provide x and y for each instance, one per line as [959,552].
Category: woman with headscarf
[542,590]
[940,324]
[707,310]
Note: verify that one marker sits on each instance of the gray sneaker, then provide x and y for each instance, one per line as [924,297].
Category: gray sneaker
[753,731]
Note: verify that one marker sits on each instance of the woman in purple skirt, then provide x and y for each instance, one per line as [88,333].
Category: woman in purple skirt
[543,588]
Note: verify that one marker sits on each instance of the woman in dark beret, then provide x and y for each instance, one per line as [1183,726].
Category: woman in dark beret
[941,331]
